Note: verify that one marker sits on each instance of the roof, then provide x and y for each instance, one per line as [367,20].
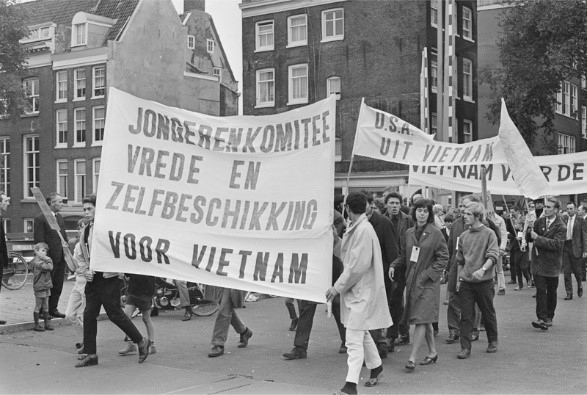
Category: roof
[121,10]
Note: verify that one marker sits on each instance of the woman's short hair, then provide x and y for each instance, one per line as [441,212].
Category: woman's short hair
[357,202]
[419,203]
[477,210]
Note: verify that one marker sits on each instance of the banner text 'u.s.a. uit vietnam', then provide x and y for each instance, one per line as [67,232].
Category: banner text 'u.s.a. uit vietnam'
[239,202]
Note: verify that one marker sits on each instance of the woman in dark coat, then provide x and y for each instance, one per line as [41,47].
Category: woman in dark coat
[424,254]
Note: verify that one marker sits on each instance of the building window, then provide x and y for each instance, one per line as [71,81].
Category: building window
[80,83]
[333,25]
[574,101]
[3,108]
[210,46]
[584,122]
[434,72]
[583,82]
[467,131]
[434,13]
[566,144]
[5,165]
[297,33]
[266,88]
[467,23]
[61,85]
[433,123]
[80,180]
[467,79]
[39,33]
[61,127]
[566,98]
[333,87]
[79,118]
[29,225]
[99,117]
[191,41]
[559,100]
[99,81]
[79,34]
[338,149]
[31,87]
[264,36]
[62,172]
[31,164]
[96,174]
[298,84]
[217,72]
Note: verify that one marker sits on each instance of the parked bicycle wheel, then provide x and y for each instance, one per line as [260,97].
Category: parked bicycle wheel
[16,272]
[205,309]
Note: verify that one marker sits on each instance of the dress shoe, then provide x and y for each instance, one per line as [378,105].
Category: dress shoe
[390,346]
[501,292]
[216,351]
[464,354]
[382,349]
[296,353]
[81,351]
[79,345]
[452,338]
[540,324]
[188,314]
[343,349]
[245,336]
[376,375]
[410,366]
[56,314]
[580,292]
[130,348]
[2,322]
[294,324]
[428,360]
[492,347]
[548,322]
[143,350]
[402,340]
[349,388]
[569,297]
[511,282]
[474,336]
[88,360]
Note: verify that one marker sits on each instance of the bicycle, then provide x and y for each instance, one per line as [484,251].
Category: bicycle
[15,274]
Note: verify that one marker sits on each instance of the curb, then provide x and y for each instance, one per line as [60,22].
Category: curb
[28,326]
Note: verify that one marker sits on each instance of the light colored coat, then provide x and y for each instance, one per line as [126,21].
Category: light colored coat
[363,301]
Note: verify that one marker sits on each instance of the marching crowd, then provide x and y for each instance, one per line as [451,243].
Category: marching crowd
[389,260]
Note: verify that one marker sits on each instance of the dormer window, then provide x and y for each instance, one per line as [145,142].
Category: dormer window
[79,34]
[210,46]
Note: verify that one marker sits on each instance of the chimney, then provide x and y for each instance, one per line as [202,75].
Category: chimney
[190,5]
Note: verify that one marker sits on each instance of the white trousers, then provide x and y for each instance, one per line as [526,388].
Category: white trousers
[76,305]
[360,345]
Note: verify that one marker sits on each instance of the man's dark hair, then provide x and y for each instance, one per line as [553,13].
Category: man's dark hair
[368,195]
[423,203]
[52,197]
[449,218]
[357,202]
[573,203]
[91,199]
[394,195]
[338,199]
[418,192]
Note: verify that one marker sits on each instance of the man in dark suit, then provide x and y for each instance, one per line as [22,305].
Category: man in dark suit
[44,234]
[575,250]
[4,202]
[549,236]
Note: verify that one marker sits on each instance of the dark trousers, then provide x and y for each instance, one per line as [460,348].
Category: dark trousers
[519,270]
[453,314]
[396,309]
[57,277]
[305,322]
[545,296]
[105,292]
[571,266]
[481,293]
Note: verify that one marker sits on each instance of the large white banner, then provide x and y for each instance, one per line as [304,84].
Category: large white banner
[386,137]
[566,174]
[240,202]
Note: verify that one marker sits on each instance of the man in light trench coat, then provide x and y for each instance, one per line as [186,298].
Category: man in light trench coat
[363,301]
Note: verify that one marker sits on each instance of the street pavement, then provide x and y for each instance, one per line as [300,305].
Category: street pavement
[528,360]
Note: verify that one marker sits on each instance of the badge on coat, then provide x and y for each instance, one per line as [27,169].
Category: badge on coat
[415,254]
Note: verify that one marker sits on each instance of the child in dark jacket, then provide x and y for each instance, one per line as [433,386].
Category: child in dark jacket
[42,284]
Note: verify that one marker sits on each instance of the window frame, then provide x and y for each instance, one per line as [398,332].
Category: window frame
[25,225]
[337,149]
[94,82]
[58,86]
[290,84]
[61,128]
[210,45]
[258,102]
[299,43]
[469,35]
[584,121]
[76,123]
[468,80]
[191,38]
[34,95]
[574,102]
[434,72]
[469,123]
[433,10]
[30,179]
[433,123]
[95,175]
[5,164]
[97,142]
[268,47]
[75,35]
[76,198]
[61,180]
[77,82]
[334,36]
[329,90]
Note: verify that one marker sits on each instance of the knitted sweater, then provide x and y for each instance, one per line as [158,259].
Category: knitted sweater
[476,245]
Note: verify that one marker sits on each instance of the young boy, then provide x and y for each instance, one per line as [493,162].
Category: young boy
[141,290]
[42,285]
